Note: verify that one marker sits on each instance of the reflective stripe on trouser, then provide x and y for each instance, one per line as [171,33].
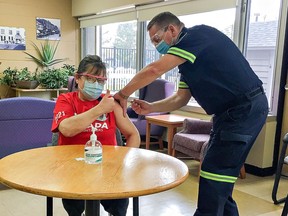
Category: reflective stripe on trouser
[232,137]
[216,177]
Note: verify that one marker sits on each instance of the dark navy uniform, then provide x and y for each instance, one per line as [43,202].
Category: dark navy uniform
[223,83]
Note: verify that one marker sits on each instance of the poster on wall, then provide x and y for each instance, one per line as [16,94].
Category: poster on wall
[12,38]
[48,29]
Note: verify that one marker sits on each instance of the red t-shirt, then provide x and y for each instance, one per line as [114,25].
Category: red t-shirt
[68,105]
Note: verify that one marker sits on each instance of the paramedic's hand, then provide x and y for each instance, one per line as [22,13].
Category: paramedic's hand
[107,103]
[122,101]
[141,107]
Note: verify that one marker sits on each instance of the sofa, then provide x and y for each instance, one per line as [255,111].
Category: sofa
[25,123]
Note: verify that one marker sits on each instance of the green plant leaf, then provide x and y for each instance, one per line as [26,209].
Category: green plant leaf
[45,54]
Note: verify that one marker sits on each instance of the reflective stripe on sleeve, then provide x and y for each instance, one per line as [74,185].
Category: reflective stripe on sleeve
[182,53]
[217,177]
[183,85]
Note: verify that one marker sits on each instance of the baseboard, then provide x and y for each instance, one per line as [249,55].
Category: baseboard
[268,171]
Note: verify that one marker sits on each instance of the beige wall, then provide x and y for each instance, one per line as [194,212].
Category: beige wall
[261,154]
[285,114]
[284,121]
[22,14]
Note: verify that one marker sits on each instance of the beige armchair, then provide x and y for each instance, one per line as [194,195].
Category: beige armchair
[193,139]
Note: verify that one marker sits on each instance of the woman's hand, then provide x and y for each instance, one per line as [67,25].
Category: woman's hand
[107,103]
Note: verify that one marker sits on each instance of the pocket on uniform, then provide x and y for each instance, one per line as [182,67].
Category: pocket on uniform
[239,112]
[233,145]
[227,136]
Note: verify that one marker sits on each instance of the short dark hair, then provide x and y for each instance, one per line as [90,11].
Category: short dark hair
[164,19]
[93,63]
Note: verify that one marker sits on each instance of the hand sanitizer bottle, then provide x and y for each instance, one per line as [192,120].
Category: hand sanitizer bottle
[93,149]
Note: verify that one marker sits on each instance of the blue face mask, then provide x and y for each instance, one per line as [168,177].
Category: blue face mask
[162,47]
[92,90]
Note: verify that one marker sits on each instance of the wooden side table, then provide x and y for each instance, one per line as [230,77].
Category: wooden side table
[170,121]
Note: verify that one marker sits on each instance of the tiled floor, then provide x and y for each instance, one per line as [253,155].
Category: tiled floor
[253,196]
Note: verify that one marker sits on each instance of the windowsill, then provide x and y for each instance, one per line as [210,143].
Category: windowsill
[190,107]
[193,107]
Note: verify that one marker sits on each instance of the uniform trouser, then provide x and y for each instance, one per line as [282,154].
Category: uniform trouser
[116,207]
[232,137]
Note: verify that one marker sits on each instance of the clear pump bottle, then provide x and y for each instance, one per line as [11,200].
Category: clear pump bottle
[93,149]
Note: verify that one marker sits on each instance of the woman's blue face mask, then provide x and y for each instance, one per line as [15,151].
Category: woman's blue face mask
[92,90]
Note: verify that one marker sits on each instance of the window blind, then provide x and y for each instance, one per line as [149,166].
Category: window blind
[182,7]
[101,19]
[147,12]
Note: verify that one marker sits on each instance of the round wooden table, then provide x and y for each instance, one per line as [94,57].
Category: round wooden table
[58,171]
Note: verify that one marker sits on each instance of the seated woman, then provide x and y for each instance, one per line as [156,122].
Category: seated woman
[76,111]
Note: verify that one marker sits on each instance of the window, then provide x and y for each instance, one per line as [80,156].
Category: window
[126,46]
[261,42]
[116,45]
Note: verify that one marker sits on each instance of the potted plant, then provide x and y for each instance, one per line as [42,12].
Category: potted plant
[54,78]
[71,69]
[6,81]
[22,78]
[46,54]
[50,78]
[8,77]
[25,79]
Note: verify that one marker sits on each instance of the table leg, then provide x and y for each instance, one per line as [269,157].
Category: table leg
[92,208]
[148,127]
[170,134]
[135,206]
[49,207]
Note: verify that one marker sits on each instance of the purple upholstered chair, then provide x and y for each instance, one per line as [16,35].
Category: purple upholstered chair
[25,123]
[192,141]
[71,84]
[157,90]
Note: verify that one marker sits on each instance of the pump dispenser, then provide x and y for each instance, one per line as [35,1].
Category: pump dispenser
[93,149]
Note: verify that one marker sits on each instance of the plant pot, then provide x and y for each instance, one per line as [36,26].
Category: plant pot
[27,84]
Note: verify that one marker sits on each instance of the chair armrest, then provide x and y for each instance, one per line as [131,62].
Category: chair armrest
[204,150]
[195,126]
